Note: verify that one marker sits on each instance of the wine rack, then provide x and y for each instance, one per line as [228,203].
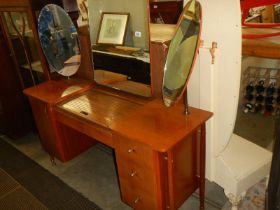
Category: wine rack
[260,90]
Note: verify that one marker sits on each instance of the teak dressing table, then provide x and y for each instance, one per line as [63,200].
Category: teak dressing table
[160,152]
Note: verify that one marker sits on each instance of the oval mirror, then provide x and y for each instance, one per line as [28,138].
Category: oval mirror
[59,40]
[182,53]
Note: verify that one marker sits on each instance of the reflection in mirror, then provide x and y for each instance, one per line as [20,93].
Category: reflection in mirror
[119,33]
[181,54]
[59,40]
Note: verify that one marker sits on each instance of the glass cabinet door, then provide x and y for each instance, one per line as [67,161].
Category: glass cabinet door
[23,48]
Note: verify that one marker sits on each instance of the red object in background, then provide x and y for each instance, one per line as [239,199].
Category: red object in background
[246,5]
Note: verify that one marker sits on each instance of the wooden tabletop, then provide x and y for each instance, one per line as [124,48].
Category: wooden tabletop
[97,107]
[54,91]
[158,126]
[150,123]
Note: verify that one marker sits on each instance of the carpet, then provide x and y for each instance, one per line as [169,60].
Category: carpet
[254,198]
[15,196]
[52,192]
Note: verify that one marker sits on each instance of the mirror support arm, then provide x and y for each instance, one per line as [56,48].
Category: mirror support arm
[187,112]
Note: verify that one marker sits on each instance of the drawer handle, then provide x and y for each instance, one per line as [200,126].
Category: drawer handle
[137,200]
[84,112]
[155,6]
[131,150]
[133,173]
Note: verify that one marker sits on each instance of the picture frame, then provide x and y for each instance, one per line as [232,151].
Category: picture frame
[112,28]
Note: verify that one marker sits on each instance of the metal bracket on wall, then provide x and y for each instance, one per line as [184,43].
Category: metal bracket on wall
[212,48]
[212,51]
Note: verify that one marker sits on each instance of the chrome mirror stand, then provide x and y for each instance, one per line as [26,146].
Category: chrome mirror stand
[187,112]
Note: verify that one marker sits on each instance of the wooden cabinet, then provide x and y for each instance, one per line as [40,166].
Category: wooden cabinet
[166,11]
[184,169]
[17,48]
[18,20]
[136,173]
[42,113]
[159,160]
[15,114]
[66,143]
[161,157]
[134,68]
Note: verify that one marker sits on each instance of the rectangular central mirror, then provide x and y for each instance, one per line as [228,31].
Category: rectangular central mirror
[120,43]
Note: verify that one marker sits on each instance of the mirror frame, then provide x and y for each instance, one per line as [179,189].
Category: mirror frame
[72,61]
[169,101]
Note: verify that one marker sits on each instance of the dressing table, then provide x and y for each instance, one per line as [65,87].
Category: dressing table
[160,152]
[156,168]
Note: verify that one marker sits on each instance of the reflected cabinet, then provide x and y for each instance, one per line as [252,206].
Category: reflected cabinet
[165,11]
[119,34]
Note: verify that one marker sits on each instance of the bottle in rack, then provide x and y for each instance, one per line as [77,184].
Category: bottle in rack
[260,87]
[248,107]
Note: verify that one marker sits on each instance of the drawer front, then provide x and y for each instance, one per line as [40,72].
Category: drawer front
[136,176]
[100,133]
[138,199]
[134,151]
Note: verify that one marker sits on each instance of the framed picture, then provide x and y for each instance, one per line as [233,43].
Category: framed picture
[112,28]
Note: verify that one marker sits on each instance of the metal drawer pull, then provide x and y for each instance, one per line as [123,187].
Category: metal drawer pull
[134,173]
[84,112]
[137,200]
[131,150]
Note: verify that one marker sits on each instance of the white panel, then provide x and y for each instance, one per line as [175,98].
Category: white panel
[218,86]
[222,24]
[207,99]
[218,92]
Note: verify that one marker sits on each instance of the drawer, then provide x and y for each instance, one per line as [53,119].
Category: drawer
[137,176]
[133,151]
[102,134]
[138,199]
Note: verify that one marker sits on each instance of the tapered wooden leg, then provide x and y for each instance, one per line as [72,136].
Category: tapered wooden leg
[52,160]
[202,167]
